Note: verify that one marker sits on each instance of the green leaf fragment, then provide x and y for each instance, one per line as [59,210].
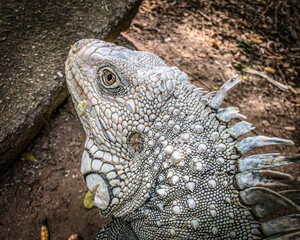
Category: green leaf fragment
[88,201]
[28,157]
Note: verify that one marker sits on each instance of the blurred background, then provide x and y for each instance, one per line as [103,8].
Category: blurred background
[41,139]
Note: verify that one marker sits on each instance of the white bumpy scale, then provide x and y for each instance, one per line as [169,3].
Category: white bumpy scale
[161,159]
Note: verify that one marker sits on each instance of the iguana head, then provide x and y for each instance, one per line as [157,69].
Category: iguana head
[119,94]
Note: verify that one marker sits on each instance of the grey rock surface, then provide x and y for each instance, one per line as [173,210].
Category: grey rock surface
[35,37]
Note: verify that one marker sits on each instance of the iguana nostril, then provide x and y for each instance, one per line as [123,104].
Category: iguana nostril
[76,47]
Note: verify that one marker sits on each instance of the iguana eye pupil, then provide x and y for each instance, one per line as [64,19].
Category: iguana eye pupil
[108,77]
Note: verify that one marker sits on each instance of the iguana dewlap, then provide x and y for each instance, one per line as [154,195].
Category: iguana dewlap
[161,157]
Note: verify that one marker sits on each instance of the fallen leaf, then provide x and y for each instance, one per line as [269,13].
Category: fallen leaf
[151,17]
[74,237]
[290,128]
[202,55]
[28,157]
[216,44]
[236,55]
[292,71]
[269,69]
[265,26]
[255,40]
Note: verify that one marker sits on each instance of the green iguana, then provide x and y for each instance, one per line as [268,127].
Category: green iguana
[161,156]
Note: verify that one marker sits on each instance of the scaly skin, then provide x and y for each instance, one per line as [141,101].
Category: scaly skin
[160,157]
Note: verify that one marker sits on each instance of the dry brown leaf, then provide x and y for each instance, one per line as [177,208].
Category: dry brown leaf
[265,26]
[141,11]
[202,55]
[255,40]
[291,71]
[236,55]
[269,69]
[216,44]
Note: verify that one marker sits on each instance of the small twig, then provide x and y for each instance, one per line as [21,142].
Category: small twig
[221,75]
[196,79]
[105,5]
[293,90]
[267,9]
[281,74]
[295,49]
[204,15]
[276,83]
[293,56]
[289,86]
[276,10]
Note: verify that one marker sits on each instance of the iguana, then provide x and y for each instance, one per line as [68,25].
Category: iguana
[162,158]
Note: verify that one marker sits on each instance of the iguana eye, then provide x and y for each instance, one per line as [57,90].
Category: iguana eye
[108,77]
[110,80]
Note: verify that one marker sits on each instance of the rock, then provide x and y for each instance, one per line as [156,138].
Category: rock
[265,123]
[243,58]
[178,60]
[38,36]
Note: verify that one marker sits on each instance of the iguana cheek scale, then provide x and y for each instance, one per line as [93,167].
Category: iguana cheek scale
[161,157]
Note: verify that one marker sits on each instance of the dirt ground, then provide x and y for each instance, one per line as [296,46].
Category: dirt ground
[211,42]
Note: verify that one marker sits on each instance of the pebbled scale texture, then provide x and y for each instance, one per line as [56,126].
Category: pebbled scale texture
[161,159]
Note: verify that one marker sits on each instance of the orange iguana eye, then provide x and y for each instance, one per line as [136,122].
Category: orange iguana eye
[108,77]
